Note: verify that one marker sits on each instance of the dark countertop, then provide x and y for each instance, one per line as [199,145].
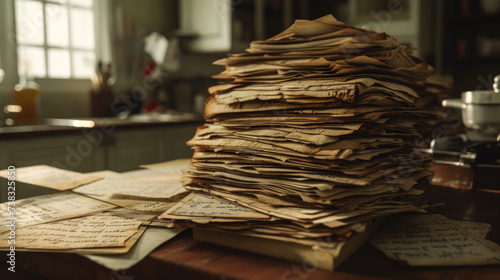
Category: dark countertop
[51,126]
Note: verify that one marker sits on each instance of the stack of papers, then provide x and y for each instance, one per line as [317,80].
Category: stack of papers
[316,130]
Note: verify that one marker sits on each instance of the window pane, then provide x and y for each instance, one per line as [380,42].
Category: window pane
[31,60]
[83,64]
[29,22]
[58,63]
[57,25]
[82,28]
[82,3]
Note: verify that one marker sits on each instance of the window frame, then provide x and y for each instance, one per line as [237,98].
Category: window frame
[8,50]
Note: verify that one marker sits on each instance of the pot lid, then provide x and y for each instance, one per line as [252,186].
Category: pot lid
[483,96]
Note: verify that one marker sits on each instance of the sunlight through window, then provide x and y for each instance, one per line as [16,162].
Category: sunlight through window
[55,39]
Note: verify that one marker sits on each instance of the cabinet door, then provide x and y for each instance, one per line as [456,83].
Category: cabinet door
[128,149]
[210,21]
[177,136]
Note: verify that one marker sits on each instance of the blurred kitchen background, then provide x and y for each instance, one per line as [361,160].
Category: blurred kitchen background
[162,50]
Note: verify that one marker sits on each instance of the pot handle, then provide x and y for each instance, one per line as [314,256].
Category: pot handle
[453,103]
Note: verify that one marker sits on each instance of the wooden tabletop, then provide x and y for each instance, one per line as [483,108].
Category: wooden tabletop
[185,258]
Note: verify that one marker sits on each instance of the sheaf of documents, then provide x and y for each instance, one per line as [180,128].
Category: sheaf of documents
[433,240]
[51,177]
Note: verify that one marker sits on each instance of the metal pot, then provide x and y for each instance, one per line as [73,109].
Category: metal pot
[480,108]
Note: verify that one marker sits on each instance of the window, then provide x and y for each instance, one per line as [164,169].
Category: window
[55,39]
[61,57]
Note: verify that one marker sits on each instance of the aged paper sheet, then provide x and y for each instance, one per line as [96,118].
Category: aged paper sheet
[103,173]
[97,250]
[51,177]
[48,208]
[151,239]
[140,174]
[169,167]
[197,205]
[153,207]
[430,240]
[86,232]
[160,188]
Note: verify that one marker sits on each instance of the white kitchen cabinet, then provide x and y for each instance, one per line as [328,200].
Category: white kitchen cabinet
[209,21]
[127,149]
[227,25]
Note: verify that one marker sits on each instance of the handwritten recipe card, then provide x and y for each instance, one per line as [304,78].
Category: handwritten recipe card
[434,240]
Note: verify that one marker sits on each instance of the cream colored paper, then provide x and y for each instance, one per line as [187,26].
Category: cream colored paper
[48,208]
[98,250]
[103,173]
[169,167]
[429,240]
[197,205]
[50,177]
[127,187]
[115,201]
[86,232]
[109,198]
[149,207]
[151,239]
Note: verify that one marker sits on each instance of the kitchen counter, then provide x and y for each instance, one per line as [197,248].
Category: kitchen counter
[87,145]
[59,125]
[185,258]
